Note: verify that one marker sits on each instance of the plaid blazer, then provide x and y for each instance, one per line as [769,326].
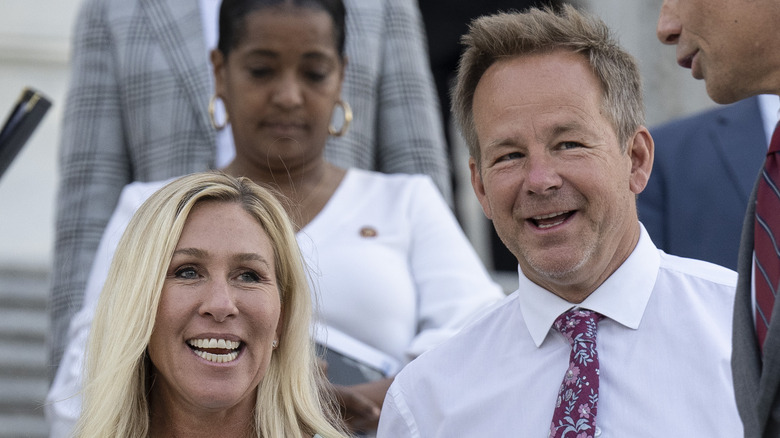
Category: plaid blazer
[136,109]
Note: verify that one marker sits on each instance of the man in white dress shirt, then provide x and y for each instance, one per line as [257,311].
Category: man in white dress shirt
[551,109]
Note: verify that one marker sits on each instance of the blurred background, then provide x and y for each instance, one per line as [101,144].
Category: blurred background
[34,51]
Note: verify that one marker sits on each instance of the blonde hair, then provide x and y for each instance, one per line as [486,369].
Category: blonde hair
[290,402]
[538,31]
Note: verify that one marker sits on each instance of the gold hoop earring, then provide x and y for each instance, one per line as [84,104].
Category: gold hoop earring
[347,120]
[212,115]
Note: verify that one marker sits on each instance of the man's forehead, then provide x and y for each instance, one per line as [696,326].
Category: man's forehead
[512,134]
[551,116]
[559,82]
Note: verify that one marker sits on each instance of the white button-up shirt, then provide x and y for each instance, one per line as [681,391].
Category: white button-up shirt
[664,349]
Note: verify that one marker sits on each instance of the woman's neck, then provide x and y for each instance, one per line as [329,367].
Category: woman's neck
[176,421]
[307,187]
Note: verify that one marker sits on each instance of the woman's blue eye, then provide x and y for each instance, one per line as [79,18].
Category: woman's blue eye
[249,276]
[187,273]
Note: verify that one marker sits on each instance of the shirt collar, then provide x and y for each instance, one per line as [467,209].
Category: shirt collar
[769,107]
[622,297]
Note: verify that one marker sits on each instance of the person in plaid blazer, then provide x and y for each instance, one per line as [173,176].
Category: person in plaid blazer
[136,110]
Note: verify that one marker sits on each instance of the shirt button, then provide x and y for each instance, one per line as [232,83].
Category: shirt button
[597,432]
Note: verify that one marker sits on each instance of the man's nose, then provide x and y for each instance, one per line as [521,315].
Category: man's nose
[668,28]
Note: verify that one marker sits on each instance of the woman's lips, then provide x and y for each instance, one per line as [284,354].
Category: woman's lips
[284,128]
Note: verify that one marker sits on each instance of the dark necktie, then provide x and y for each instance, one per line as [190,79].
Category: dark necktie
[765,243]
[575,408]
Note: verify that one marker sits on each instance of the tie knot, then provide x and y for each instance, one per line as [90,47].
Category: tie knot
[578,325]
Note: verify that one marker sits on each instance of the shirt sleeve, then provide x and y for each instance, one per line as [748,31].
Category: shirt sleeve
[396,420]
[452,282]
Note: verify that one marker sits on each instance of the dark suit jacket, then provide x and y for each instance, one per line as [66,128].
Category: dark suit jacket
[756,384]
[704,169]
[756,381]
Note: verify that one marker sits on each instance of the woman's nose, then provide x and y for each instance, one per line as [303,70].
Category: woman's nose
[288,93]
[219,302]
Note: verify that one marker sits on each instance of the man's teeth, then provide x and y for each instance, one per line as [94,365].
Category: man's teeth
[548,216]
[214,343]
[538,219]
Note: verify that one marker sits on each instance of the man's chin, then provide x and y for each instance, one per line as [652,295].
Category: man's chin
[552,269]
[724,93]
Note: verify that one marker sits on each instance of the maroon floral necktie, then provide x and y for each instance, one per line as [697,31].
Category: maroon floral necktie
[577,403]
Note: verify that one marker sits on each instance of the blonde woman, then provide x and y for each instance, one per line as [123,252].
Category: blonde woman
[202,328]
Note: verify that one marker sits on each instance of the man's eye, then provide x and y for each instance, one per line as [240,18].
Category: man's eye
[570,145]
[510,156]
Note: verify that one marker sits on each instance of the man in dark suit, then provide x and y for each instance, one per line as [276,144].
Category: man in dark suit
[704,170]
[735,47]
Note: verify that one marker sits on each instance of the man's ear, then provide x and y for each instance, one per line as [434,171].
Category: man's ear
[479,187]
[641,150]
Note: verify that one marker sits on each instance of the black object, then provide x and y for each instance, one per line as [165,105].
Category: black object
[20,124]
[344,370]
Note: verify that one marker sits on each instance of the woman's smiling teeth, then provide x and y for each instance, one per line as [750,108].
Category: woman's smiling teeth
[550,220]
[215,350]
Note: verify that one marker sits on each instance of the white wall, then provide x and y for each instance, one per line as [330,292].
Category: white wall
[34,49]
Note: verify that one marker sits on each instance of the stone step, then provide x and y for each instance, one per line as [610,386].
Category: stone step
[23,359]
[23,356]
[22,395]
[26,289]
[23,324]
[23,425]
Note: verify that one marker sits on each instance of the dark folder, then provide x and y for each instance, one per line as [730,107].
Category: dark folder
[345,370]
[25,116]
[351,361]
